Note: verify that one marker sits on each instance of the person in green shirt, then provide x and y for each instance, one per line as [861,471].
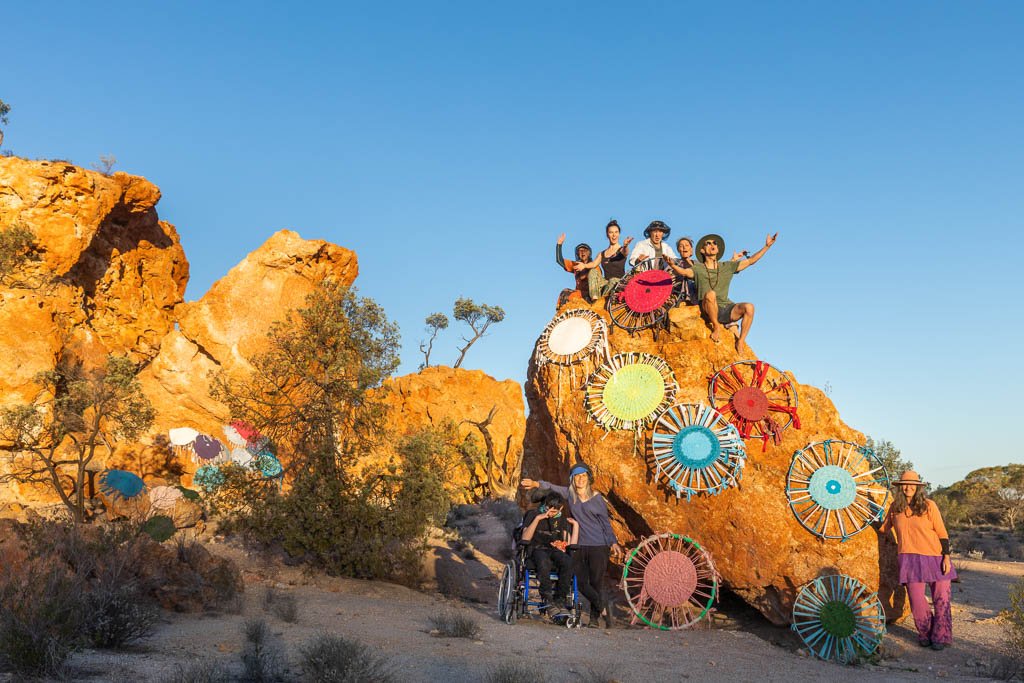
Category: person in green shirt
[713,278]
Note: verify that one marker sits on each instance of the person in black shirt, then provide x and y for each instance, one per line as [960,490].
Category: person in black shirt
[549,533]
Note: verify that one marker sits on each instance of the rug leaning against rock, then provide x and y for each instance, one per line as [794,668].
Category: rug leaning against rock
[761,549]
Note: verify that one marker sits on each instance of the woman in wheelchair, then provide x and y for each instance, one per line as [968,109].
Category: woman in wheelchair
[549,534]
[596,539]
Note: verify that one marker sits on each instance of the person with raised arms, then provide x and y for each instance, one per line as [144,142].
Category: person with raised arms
[654,246]
[713,278]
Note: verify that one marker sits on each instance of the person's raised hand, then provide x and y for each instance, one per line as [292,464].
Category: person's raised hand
[770,240]
[627,241]
[561,238]
[528,484]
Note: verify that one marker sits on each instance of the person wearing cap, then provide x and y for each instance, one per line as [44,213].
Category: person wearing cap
[713,278]
[549,534]
[922,547]
[612,260]
[580,269]
[596,539]
[654,246]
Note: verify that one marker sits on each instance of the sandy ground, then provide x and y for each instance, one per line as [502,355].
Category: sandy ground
[395,621]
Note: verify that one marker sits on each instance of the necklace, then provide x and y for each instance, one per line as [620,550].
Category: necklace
[712,282]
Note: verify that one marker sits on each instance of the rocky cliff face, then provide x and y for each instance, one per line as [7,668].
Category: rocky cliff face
[107,276]
[480,408]
[230,323]
[761,550]
[108,272]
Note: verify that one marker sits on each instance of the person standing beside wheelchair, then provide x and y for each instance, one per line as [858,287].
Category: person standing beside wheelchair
[596,539]
[549,534]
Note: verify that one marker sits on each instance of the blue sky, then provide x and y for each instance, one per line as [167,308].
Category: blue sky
[449,143]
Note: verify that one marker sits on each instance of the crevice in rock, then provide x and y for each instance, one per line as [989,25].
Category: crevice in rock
[633,519]
[121,231]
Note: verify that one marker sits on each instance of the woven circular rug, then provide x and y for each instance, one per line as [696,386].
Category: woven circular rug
[644,297]
[836,488]
[838,618]
[120,485]
[571,337]
[695,450]
[630,391]
[757,397]
[670,582]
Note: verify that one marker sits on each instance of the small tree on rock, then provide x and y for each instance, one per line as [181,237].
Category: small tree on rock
[435,323]
[479,317]
[5,109]
[79,414]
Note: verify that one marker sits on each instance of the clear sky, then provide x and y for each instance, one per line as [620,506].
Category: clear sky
[449,143]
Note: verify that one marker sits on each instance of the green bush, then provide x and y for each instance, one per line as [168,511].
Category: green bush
[515,672]
[370,527]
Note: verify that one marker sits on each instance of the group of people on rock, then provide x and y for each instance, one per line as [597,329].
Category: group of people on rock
[922,543]
[705,278]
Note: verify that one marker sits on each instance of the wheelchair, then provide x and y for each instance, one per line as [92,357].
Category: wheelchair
[519,592]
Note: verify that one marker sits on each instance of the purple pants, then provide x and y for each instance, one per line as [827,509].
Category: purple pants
[938,626]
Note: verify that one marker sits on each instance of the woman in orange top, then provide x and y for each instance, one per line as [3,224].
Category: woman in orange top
[922,544]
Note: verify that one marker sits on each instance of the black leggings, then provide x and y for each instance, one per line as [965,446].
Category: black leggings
[590,565]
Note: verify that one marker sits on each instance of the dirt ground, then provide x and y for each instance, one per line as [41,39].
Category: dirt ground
[395,621]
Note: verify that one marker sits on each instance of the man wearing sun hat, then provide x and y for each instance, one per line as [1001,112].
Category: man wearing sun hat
[654,246]
[713,278]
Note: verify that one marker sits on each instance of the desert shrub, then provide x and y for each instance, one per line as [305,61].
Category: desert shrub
[601,674]
[366,527]
[334,659]
[515,672]
[263,659]
[159,527]
[200,672]
[453,624]
[1014,618]
[1003,667]
[17,247]
[118,609]
[41,617]
[282,605]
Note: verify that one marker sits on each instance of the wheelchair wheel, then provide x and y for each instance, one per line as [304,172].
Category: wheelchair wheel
[507,594]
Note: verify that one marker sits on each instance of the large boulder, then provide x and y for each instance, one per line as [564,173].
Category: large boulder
[229,324]
[763,553]
[479,407]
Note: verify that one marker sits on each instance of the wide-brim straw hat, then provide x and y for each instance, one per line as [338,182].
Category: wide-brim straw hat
[717,239]
[910,477]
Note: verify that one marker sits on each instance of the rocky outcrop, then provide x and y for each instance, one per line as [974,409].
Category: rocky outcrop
[106,273]
[229,324]
[762,552]
[106,276]
[479,407]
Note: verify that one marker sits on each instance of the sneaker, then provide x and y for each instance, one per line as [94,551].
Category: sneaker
[924,642]
[595,618]
[938,646]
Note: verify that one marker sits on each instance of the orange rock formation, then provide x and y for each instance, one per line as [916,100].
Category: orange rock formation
[762,552]
[480,407]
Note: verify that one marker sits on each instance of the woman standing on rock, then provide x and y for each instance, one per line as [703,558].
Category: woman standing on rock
[596,538]
[922,546]
[612,260]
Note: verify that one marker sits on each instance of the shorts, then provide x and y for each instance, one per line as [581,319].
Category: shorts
[725,313]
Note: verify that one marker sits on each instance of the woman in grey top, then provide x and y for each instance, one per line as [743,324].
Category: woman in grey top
[596,538]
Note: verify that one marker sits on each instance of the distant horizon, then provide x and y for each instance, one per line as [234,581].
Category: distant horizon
[449,146]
